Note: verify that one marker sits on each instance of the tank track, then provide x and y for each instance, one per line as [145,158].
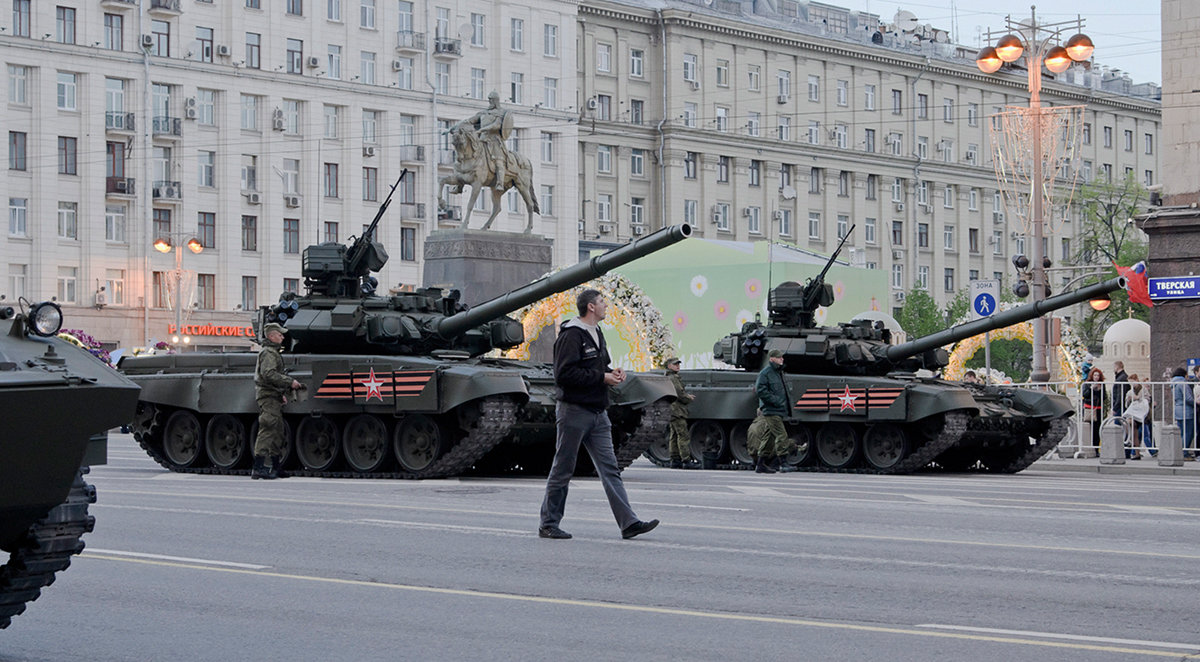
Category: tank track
[654,423]
[47,548]
[497,415]
[1048,441]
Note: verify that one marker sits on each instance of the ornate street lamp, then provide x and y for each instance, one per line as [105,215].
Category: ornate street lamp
[1038,44]
[164,245]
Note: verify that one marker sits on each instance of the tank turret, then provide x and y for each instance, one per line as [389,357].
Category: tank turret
[862,347]
[341,314]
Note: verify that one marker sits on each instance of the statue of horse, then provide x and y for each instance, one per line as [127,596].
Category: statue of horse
[473,168]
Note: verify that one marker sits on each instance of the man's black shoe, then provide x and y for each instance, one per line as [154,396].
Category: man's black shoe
[553,532]
[763,466]
[676,464]
[638,528]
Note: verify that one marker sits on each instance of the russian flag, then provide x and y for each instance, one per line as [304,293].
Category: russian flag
[1139,286]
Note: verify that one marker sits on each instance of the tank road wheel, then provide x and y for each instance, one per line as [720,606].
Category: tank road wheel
[365,443]
[225,441]
[884,445]
[804,451]
[417,442]
[706,434]
[738,436]
[659,451]
[837,445]
[183,440]
[317,443]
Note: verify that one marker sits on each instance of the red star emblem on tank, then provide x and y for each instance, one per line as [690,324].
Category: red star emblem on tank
[847,399]
[373,383]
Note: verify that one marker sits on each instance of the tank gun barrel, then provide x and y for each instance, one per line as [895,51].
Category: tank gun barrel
[564,280]
[1024,313]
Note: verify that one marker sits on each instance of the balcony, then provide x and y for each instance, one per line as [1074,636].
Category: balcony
[118,4]
[412,211]
[445,157]
[447,48]
[165,7]
[407,40]
[115,120]
[412,153]
[119,186]
[169,127]
[168,191]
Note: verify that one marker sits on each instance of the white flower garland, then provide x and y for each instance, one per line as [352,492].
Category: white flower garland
[1072,353]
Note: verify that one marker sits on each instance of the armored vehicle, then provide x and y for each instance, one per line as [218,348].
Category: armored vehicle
[397,386]
[58,402]
[857,400]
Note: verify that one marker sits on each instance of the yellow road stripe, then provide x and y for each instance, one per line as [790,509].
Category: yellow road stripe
[666,611]
[709,527]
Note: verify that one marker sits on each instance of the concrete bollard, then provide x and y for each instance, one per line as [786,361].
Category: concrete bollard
[1112,443]
[1169,440]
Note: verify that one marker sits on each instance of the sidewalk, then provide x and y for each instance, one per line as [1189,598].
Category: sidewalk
[1144,466]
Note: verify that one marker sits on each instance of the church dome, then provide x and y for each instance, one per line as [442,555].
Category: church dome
[1127,338]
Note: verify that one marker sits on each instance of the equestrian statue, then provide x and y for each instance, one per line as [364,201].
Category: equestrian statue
[482,160]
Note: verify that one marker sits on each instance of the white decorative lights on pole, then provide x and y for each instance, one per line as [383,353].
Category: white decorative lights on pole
[1039,44]
[164,245]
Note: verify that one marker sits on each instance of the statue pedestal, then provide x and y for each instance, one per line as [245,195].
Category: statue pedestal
[484,264]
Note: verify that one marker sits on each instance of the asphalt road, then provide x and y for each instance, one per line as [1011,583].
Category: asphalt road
[1036,566]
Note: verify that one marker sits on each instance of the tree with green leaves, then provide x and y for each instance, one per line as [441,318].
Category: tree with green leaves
[1106,235]
[920,316]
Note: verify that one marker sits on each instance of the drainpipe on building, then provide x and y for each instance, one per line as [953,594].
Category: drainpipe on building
[662,139]
[147,189]
[431,209]
[912,207]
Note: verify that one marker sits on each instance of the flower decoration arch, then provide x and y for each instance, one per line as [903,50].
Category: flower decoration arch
[630,313]
[1072,353]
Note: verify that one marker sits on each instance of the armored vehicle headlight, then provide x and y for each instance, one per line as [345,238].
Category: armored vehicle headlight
[45,319]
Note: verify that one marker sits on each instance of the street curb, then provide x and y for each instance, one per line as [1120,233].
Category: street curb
[1129,468]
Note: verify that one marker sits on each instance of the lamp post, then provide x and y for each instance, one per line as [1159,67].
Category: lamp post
[164,245]
[1040,45]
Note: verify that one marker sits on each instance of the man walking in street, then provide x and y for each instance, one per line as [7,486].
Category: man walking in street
[271,385]
[582,375]
[680,443]
[768,434]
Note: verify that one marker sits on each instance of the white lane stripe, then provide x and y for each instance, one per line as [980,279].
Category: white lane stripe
[679,505]
[1068,637]
[446,527]
[184,559]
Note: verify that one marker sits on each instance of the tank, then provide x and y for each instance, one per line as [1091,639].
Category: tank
[58,402]
[859,402]
[396,386]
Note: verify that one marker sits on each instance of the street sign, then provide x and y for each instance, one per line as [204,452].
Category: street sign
[1177,287]
[984,294]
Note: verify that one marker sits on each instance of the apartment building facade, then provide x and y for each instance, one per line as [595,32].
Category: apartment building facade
[257,127]
[793,123]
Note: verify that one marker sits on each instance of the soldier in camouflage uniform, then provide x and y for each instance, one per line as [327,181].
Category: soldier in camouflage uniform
[271,386]
[767,438]
[681,440]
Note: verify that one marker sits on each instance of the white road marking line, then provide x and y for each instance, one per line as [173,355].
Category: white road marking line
[755,490]
[448,527]
[684,505]
[1069,637]
[181,559]
[939,499]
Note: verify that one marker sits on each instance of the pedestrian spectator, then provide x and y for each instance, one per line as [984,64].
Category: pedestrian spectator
[1185,410]
[767,437]
[680,442]
[1136,409]
[271,386]
[1093,403]
[1119,389]
[582,376]
[1148,422]
[970,377]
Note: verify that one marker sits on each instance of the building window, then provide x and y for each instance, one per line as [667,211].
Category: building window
[249,292]
[550,40]
[114,223]
[291,176]
[844,183]
[722,73]
[206,228]
[366,67]
[207,163]
[637,111]
[689,114]
[1108,136]
[785,176]
[204,44]
[16,150]
[206,102]
[637,59]
[869,230]
[722,119]
[755,173]
[814,180]
[689,67]
[872,188]
[1128,140]
[408,244]
[922,147]
[973,240]
[249,112]
[897,102]
[814,88]
[753,120]
[330,233]
[637,211]
[295,56]
[869,141]
[604,208]
[922,106]
[1149,143]
[754,220]
[68,278]
[64,25]
[897,233]
[295,7]
[330,178]
[785,222]
[333,10]
[948,237]
[972,114]
[1149,178]
[973,200]
[923,277]
[366,14]
[370,184]
[516,35]
[18,209]
[814,132]
[20,15]
[547,147]
[637,162]
[291,116]
[550,93]
[604,58]
[843,226]
[785,128]
[604,107]
[291,235]
[18,84]
[869,97]
[922,235]
[603,158]
[68,220]
[814,225]
[753,78]
[114,32]
[17,279]
[66,91]
[162,223]
[722,217]
[689,165]
[249,233]
[160,32]
[67,154]
[948,196]
[206,291]
[947,110]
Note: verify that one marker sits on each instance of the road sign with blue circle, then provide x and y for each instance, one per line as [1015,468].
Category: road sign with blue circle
[984,304]
[983,297]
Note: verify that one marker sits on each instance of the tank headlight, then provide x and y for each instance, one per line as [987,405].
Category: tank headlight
[45,319]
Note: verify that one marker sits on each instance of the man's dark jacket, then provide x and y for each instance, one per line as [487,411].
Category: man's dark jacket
[579,367]
[1120,388]
[772,392]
